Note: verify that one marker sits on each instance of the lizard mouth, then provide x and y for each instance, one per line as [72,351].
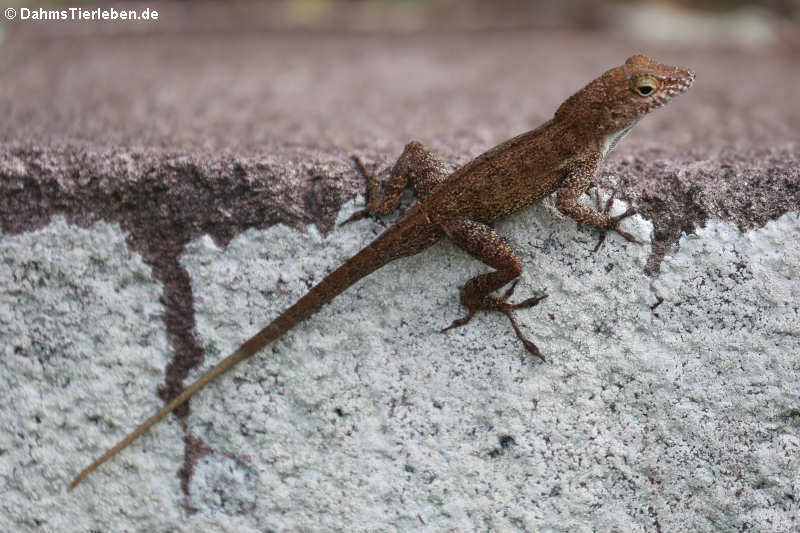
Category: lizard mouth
[676,85]
[684,81]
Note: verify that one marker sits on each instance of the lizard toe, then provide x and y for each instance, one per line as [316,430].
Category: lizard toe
[530,302]
[358,215]
[457,323]
[533,349]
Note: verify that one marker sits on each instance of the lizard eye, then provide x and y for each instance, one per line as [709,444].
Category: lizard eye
[644,85]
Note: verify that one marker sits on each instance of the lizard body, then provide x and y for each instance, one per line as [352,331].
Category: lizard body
[562,155]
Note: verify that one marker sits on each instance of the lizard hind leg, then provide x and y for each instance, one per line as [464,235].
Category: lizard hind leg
[481,242]
[416,167]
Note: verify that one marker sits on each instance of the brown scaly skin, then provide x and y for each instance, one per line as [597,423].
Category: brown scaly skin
[562,155]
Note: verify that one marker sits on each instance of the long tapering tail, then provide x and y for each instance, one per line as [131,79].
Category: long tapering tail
[369,259]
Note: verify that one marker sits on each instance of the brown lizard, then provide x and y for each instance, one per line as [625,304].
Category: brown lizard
[562,155]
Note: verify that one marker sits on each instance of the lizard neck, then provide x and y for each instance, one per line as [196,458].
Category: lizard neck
[609,141]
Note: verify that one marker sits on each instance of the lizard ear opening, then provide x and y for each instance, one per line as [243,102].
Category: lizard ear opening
[644,86]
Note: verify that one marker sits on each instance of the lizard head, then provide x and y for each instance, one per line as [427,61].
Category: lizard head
[623,95]
[647,84]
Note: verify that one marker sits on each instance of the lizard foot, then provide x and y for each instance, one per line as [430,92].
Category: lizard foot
[501,304]
[614,221]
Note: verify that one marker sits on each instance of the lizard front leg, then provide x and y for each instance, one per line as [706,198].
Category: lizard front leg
[578,178]
[417,166]
[482,243]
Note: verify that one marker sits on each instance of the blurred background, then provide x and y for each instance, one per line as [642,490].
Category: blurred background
[740,21]
[250,76]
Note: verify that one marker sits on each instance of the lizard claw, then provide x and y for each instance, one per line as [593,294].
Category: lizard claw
[361,167]
[530,346]
[358,215]
[530,302]
[502,304]
[613,223]
[457,323]
[533,349]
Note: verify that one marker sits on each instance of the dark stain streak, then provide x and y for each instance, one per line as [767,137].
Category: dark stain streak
[165,201]
[748,189]
[194,449]
[179,321]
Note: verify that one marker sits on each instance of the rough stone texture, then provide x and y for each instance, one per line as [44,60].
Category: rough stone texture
[82,345]
[679,417]
[171,134]
[646,416]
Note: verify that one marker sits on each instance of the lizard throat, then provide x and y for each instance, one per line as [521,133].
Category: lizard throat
[612,139]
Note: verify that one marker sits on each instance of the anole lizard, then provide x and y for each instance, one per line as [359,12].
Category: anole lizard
[562,155]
